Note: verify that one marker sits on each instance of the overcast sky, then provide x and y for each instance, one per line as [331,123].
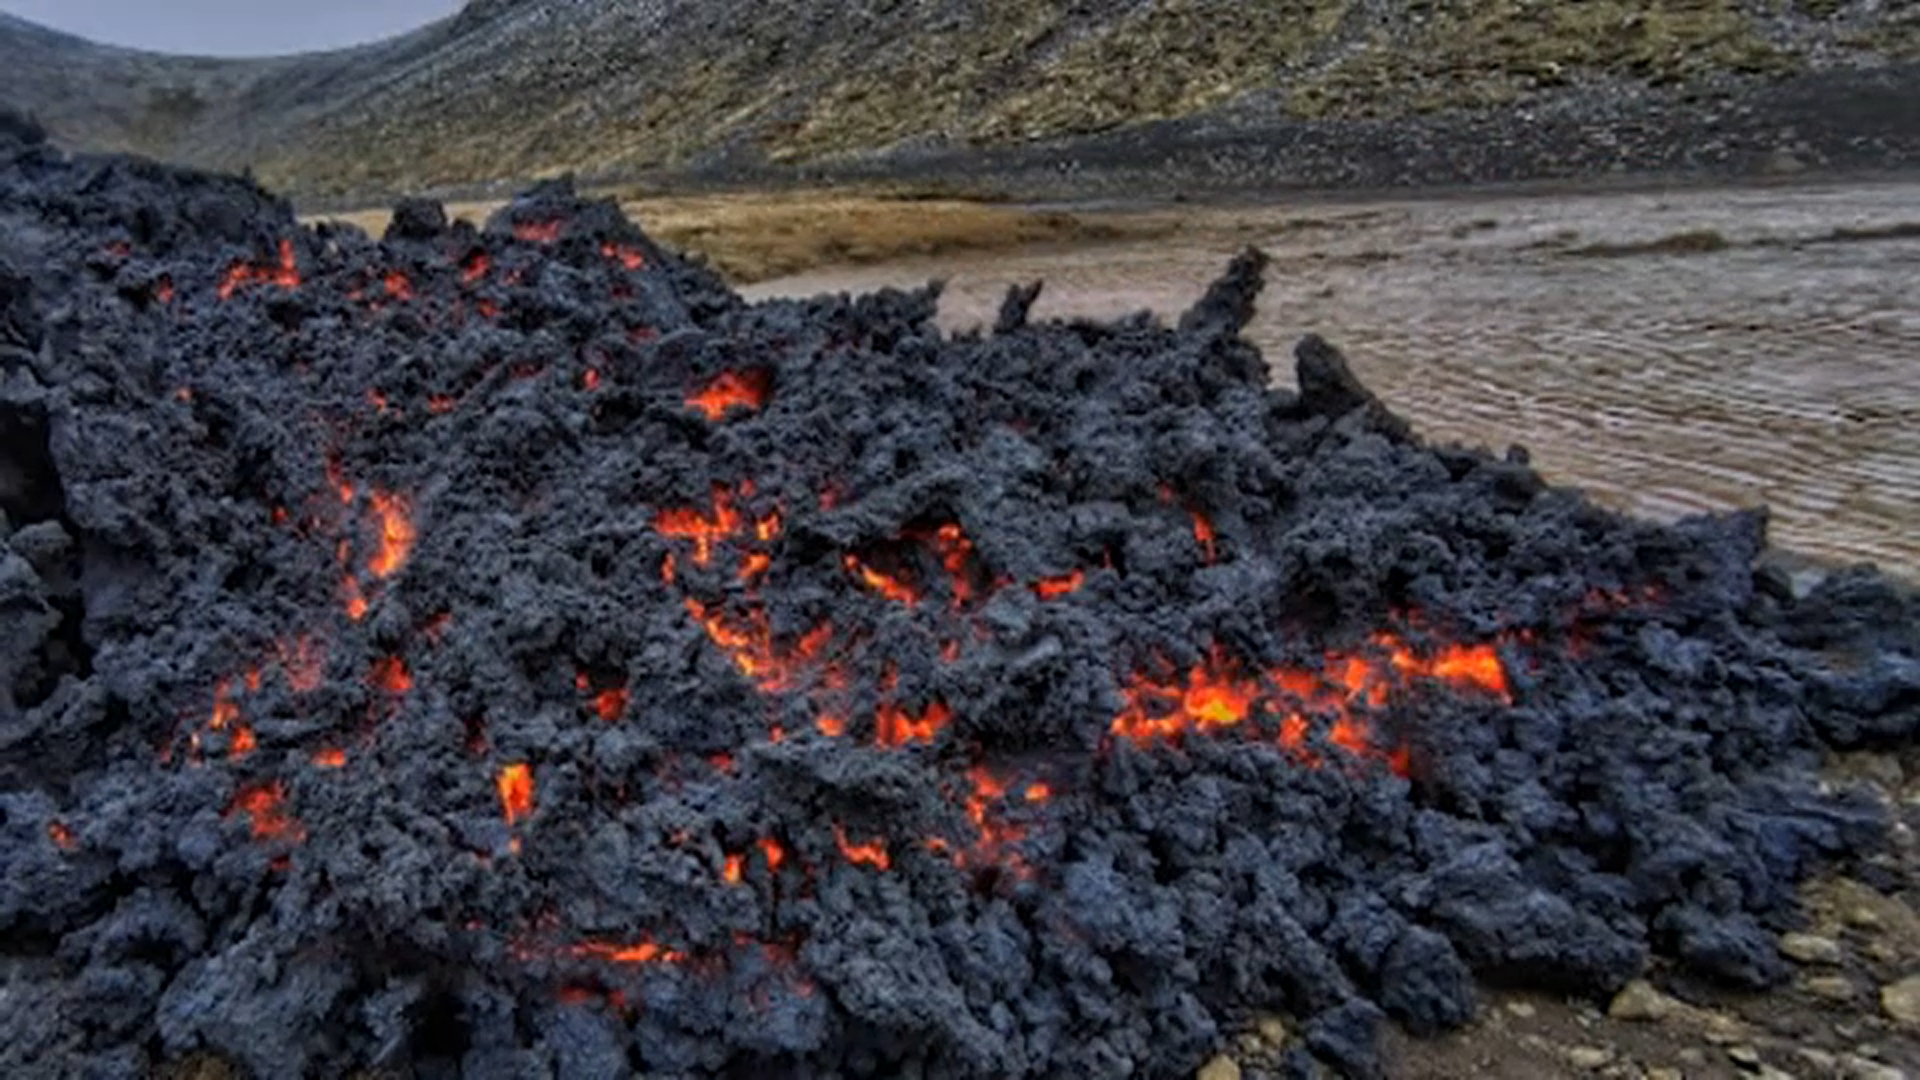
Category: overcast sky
[231,27]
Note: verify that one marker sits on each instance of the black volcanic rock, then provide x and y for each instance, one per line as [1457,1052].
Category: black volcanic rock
[503,651]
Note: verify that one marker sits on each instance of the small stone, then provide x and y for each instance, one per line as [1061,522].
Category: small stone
[1220,1068]
[1521,1009]
[1692,1056]
[1723,1030]
[1819,1059]
[1589,1057]
[1855,1067]
[1901,1001]
[1273,1031]
[1744,1056]
[1811,949]
[1862,917]
[1661,1072]
[1638,1000]
[1831,987]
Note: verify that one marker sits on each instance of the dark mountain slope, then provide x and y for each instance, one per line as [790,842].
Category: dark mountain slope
[509,89]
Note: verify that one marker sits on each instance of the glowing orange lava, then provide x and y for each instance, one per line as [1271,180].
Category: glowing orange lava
[353,600]
[734,869]
[537,232]
[773,852]
[610,705]
[1048,588]
[645,951]
[284,274]
[1215,694]
[265,806]
[391,675]
[886,585]
[515,785]
[329,757]
[830,725]
[747,390]
[629,257]
[752,648]
[397,285]
[475,267]
[873,853]
[704,529]
[396,534]
[954,549]
[61,836]
[895,726]
[1203,535]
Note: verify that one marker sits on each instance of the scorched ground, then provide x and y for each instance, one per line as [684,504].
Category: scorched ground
[505,652]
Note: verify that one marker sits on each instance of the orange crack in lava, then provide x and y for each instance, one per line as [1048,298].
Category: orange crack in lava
[610,705]
[774,853]
[734,869]
[354,600]
[645,951]
[265,806]
[994,837]
[475,267]
[226,715]
[746,389]
[954,549]
[1214,694]
[703,529]
[391,675]
[873,853]
[752,648]
[1049,588]
[329,758]
[886,585]
[396,534]
[1203,534]
[537,232]
[61,836]
[284,274]
[895,726]
[515,784]
[629,257]
[397,285]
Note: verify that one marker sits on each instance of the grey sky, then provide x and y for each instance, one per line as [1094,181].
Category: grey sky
[231,27]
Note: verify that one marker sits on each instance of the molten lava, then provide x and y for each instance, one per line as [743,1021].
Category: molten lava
[396,534]
[895,726]
[704,529]
[264,805]
[730,390]
[282,273]
[515,784]
[872,853]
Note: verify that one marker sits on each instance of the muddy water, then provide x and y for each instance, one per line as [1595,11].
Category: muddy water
[1783,369]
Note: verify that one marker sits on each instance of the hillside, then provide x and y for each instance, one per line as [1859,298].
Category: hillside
[509,89]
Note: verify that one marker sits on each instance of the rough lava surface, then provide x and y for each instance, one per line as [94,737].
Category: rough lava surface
[504,652]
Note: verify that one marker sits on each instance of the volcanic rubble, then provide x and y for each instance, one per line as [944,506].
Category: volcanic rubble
[505,652]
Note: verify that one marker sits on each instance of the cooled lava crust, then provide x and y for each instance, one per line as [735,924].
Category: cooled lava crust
[505,652]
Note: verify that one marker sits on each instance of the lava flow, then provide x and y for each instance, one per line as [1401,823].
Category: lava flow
[501,649]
